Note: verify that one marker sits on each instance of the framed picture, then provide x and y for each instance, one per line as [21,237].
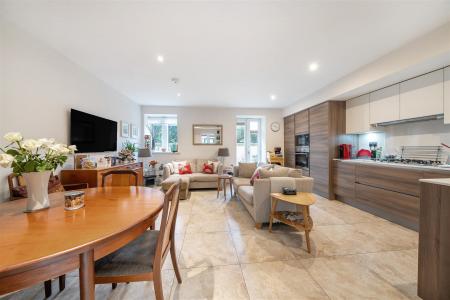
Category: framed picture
[134,131]
[124,129]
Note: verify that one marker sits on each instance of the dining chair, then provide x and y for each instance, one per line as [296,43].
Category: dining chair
[120,172]
[143,258]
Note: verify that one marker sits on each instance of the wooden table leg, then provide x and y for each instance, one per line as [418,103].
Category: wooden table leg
[218,187]
[231,188]
[307,227]
[224,189]
[87,283]
[272,212]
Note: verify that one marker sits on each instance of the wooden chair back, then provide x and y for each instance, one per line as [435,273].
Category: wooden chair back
[120,172]
[14,181]
[168,222]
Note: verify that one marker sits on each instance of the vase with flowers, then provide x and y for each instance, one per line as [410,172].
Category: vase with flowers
[35,160]
[128,151]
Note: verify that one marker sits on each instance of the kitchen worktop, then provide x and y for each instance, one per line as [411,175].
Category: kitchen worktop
[444,168]
[439,181]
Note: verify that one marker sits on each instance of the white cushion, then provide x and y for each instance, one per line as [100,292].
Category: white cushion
[215,164]
[177,165]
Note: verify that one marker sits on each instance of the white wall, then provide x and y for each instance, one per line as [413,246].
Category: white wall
[40,86]
[187,116]
[429,52]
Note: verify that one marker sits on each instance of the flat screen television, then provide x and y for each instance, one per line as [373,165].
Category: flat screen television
[91,133]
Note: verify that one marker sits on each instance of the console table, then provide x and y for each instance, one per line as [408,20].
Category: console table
[93,177]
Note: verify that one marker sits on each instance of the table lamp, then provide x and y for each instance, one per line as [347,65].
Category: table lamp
[223,152]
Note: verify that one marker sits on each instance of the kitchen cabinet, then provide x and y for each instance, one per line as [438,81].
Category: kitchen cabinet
[301,120]
[327,124]
[357,114]
[289,141]
[447,95]
[422,96]
[385,105]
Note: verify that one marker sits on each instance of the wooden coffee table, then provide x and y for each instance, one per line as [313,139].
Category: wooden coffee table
[303,222]
[223,178]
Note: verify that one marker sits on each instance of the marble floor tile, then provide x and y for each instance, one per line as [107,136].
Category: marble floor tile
[223,282]
[344,277]
[207,222]
[322,217]
[207,249]
[280,280]
[260,246]
[179,239]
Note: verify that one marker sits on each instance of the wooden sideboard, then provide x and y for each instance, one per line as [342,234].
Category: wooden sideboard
[93,177]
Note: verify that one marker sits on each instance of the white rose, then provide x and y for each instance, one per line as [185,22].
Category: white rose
[72,148]
[59,148]
[46,142]
[6,160]
[13,137]
[31,145]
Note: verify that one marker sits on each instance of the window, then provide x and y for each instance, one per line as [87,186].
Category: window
[161,131]
[249,134]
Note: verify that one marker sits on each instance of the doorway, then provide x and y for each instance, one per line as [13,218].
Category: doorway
[249,140]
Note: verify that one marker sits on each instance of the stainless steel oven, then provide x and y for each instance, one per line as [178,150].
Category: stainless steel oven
[302,160]
[302,140]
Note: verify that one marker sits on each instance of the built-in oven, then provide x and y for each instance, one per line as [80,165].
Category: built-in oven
[302,140]
[302,160]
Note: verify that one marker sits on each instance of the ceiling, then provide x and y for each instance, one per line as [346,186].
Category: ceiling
[224,53]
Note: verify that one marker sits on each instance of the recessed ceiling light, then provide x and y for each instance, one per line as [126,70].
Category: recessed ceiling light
[273,97]
[160,58]
[313,66]
[178,94]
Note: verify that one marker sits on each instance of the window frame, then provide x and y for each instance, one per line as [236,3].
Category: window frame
[165,130]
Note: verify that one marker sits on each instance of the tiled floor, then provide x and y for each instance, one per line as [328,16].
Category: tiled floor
[355,256]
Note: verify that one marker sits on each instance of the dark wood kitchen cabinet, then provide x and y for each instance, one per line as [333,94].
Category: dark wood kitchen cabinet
[289,141]
[301,121]
[326,126]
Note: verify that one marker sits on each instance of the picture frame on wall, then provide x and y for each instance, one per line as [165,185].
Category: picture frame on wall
[124,129]
[134,131]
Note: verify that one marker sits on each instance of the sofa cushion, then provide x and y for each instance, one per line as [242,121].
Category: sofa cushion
[245,192]
[167,183]
[275,172]
[246,170]
[186,169]
[239,181]
[208,169]
[177,165]
[200,177]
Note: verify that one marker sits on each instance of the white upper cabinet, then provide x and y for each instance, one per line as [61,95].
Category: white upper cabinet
[385,105]
[447,95]
[422,96]
[357,115]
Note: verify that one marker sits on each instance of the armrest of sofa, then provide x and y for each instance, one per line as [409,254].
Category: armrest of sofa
[304,184]
[166,171]
[236,171]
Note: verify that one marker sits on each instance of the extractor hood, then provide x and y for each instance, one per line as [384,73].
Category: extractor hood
[419,119]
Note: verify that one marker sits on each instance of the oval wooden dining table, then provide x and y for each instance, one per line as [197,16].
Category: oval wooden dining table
[35,247]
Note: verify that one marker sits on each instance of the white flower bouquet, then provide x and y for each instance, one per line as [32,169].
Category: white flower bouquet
[25,156]
[34,160]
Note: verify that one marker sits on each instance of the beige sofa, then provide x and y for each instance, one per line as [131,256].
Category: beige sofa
[196,180]
[256,198]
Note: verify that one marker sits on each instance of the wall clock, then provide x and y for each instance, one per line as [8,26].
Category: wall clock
[275,126]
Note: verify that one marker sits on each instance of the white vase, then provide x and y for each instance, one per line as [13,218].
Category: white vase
[37,190]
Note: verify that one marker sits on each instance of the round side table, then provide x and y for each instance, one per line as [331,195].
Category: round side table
[222,180]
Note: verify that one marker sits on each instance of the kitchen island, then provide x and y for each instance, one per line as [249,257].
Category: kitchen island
[388,190]
[434,239]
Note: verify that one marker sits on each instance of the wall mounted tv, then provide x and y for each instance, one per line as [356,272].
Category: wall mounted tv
[91,133]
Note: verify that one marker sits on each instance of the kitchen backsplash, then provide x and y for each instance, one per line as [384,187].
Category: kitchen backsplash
[426,133]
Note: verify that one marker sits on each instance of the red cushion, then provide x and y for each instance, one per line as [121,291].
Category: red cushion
[255,176]
[186,169]
[208,168]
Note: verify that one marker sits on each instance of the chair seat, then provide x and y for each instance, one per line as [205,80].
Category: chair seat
[134,258]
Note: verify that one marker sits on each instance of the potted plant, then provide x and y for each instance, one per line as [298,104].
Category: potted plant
[128,151]
[35,160]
